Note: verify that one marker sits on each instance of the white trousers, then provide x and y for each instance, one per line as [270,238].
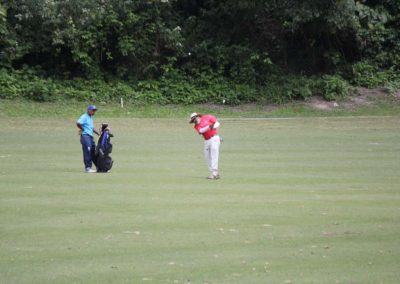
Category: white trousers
[211,153]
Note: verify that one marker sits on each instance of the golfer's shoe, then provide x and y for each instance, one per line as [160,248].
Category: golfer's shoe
[89,170]
[213,177]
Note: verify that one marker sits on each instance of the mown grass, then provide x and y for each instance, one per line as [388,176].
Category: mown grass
[307,200]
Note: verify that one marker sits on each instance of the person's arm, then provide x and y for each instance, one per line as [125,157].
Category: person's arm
[204,129]
[216,124]
[95,131]
[80,128]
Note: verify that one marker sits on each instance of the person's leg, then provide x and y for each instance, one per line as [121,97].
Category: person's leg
[207,154]
[92,150]
[214,154]
[86,142]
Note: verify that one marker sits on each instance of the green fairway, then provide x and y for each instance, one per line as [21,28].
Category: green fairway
[302,200]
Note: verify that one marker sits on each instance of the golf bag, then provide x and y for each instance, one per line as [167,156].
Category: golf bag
[103,160]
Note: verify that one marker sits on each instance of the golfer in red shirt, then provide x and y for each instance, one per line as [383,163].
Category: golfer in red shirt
[207,126]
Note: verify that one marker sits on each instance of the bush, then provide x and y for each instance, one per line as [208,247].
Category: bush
[26,85]
[37,90]
[282,89]
[333,87]
[393,86]
[175,87]
[365,74]
[9,87]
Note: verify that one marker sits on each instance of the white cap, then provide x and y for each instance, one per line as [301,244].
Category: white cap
[193,116]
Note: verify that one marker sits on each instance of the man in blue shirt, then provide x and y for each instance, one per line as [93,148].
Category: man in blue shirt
[86,129]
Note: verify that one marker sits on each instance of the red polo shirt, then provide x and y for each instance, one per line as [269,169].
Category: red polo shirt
[206,121]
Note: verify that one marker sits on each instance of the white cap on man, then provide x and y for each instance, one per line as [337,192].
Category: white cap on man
[193,116]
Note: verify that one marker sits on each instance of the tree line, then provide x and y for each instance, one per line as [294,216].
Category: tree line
[154,45]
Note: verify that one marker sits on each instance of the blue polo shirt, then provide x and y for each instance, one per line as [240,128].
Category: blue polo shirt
[87,124]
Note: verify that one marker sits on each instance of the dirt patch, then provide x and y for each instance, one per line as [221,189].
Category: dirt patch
[321,104]
[358,98]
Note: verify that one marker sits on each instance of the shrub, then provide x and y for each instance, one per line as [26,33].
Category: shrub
[26,85]
[365,74]
[175,87]
[282,89]
[9,87]
[333,87]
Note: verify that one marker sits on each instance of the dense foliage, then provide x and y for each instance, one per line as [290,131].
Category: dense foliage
[179,51]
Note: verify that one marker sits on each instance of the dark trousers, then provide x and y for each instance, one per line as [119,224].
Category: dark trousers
[88,149]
